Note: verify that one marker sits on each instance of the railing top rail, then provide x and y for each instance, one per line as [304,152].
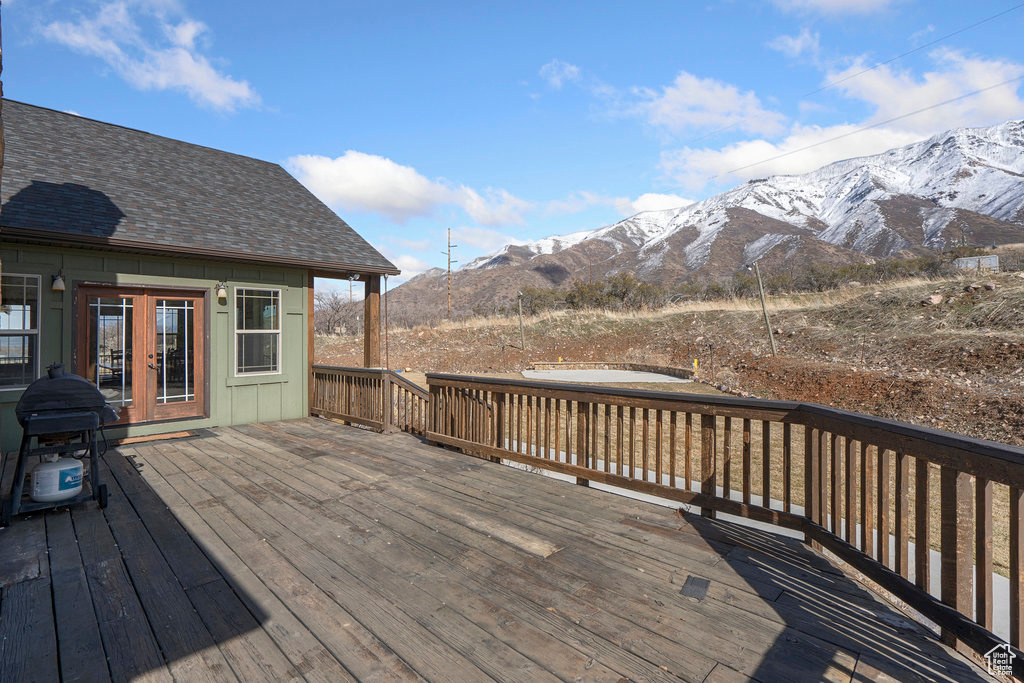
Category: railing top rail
[375,372]
[349,370]
[406,384]
[619,392]
[1011,455]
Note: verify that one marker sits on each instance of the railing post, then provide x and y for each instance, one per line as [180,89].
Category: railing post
[387,419]
[582,440]
[707,461]
[1016,566]
[957,546]
[811,478]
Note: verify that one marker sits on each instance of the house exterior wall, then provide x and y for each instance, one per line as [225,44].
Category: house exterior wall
[231,400]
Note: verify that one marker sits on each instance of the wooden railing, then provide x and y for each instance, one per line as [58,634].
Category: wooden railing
[376,398]
[866,489]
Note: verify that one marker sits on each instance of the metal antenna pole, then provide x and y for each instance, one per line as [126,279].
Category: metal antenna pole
[764,309]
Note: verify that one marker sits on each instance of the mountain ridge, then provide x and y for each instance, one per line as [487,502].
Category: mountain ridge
[963,185]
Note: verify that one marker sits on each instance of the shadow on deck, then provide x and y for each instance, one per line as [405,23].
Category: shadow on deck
[307,550]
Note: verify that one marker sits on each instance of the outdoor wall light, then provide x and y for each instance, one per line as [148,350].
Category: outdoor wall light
[58,282]
[222,292]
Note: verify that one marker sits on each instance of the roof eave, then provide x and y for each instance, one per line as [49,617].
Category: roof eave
[321,268]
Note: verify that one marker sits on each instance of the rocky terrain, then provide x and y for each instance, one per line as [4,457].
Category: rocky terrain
[947,354]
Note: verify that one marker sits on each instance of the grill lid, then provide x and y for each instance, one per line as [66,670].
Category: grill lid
[59,391]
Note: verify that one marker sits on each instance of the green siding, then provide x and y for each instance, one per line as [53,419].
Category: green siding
[232,400]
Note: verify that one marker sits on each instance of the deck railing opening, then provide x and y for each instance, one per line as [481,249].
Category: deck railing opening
[933,518]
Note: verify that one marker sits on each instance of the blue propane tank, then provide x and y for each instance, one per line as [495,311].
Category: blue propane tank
[56,480]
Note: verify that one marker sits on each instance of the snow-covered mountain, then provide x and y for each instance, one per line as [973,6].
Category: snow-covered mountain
[963,185]
[857,203]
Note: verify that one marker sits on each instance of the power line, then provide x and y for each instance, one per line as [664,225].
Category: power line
[870,126]
[872,68]
[916,49]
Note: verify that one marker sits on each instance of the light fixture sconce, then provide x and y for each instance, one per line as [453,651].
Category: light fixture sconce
[222,292]
[58,282]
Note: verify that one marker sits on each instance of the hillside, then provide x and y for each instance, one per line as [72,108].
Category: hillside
[957,365]
[962,186]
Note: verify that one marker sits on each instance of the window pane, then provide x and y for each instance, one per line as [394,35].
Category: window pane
[19,307]
[175,350]
[17,360]
[257,309]
[257,352]
[19,311]
[110,347]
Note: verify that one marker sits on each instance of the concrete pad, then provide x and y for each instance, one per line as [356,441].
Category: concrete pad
[601,376]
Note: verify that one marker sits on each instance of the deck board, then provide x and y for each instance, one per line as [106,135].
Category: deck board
[308,550]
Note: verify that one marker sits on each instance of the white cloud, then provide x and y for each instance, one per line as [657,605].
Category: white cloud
[485,239]
[583,200]
[578,201]
[498,207]
[889,94]
[804,43]
[170,62]
[894,93]
[556,73]
[694,168]
[411,266]
[366,182]
[651,201]
[692,102]
[834,6]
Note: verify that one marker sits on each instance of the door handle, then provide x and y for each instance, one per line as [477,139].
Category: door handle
[152,367]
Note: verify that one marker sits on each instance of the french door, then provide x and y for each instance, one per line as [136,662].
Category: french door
[145,349]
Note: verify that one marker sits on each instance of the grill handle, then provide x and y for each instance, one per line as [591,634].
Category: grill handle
[56,423]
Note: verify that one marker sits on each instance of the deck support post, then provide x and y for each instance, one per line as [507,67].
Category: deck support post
[310,333]
[371,322]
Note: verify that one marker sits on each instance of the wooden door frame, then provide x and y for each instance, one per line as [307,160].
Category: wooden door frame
[144,409]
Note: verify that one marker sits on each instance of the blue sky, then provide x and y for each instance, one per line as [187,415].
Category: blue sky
[515,121]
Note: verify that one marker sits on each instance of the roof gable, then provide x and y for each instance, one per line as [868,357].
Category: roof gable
[78,180]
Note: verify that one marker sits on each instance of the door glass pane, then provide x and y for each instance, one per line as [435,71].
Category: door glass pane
[110,348]
[175,350]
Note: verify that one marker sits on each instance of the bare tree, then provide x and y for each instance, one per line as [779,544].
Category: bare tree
[331,311]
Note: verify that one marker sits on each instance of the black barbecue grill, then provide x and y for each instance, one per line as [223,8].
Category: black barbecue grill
[59,413]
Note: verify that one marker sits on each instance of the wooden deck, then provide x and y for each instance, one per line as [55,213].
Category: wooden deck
[307,550]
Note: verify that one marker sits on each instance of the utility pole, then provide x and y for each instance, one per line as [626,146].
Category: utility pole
[450,262]
[522,336]
[764,308]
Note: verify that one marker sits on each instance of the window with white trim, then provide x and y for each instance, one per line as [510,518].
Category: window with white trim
[257,331]
[19,330]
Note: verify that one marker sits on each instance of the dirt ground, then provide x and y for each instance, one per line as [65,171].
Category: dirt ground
[946,354]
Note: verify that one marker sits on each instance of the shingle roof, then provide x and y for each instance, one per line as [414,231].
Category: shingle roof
[73,179]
